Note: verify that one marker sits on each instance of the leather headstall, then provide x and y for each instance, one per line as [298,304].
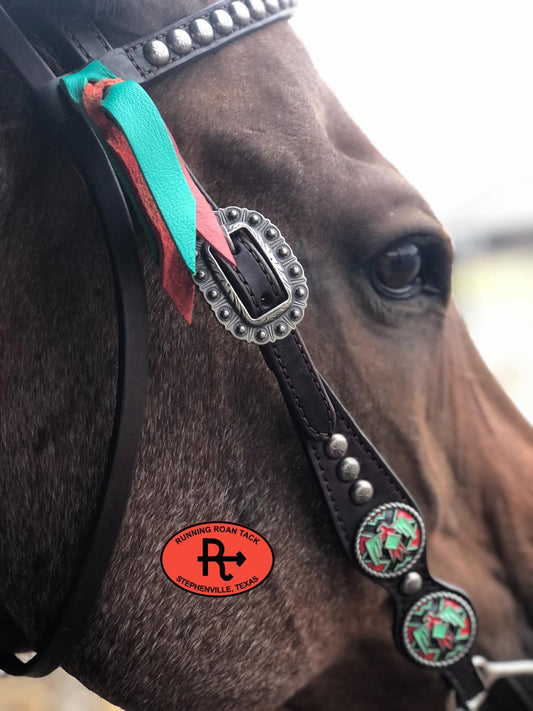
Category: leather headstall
[261,300]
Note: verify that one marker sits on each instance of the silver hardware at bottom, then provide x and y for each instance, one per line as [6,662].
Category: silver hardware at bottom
[240,13]
[336,446]
[348,469]
[222,22]
[489,673]
[411,584]
[202,31]
[180,41]
[157,53]
[212,278]
[362,492]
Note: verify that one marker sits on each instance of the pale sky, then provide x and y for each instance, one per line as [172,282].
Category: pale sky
[444,89]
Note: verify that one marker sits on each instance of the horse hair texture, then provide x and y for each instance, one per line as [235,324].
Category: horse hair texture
[217,443]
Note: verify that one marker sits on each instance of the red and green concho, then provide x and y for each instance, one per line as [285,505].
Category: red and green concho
[439,629]
[390,540]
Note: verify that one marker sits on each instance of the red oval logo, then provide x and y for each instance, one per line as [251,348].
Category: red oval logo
[217,559]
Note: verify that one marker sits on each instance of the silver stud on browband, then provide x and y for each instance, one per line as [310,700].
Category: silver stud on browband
[157,53]
[201,31]
[240,13]
[222,22]
[272,6]
[257,9]
[411,584]
[337,446]
[362,491]
[348,469]
[180,41]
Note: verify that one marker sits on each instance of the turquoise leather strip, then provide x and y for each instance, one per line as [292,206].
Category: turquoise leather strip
[134,112]
[74,84]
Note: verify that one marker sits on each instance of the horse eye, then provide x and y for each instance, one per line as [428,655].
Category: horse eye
[397,271]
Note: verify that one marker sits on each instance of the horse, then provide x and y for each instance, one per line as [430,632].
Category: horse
[261,129]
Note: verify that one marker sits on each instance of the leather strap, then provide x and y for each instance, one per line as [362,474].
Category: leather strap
[78,41]
[102,183]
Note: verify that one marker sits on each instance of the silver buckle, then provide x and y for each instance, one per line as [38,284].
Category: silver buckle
[230,311]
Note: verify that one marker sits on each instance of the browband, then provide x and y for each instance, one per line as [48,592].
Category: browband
[377,521]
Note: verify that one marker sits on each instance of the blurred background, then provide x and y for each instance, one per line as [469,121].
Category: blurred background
[444,91]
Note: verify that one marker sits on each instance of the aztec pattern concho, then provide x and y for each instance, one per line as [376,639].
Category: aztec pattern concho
[439,629]
[390,540]
[280,320]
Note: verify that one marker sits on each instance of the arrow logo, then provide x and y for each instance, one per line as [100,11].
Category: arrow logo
[219,558]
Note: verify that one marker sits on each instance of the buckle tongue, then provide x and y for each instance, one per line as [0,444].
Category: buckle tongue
[212,279]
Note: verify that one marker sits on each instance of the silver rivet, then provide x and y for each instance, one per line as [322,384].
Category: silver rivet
[362,491]
[300,292]
[295,270]
[411,584]
[272,5]
[224,314]
[232,214]
[270,233]
[240,330]
[281,329]
[201,274]
[240,13]
[283,251]
[180,41]
[201,31]
[212,294]
[336,446]
[257,9]
[261,334]
[284,4]
[254,219]
[348,469]
[157,53]
[222,22]
[295,314]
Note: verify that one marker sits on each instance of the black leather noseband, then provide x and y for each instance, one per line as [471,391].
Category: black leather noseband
[377,521]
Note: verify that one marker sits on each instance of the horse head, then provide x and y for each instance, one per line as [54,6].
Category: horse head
[260,129]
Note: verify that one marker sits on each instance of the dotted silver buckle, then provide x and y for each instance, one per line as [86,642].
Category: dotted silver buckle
[230,311]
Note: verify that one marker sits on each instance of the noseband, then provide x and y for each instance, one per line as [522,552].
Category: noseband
[261,300]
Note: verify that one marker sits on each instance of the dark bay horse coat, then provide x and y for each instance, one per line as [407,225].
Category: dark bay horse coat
[260,129]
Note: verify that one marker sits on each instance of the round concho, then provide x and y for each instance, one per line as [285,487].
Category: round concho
[439,629]
[390,540]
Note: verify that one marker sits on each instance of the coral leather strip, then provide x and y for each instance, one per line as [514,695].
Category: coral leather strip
[138,119]
[165,195]
[174,275]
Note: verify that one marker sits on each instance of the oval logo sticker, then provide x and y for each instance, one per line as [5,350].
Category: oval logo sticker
[217,558]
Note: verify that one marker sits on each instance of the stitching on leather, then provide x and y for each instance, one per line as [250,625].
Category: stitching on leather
[268,275]
[74,39]
[99,36]
[330,493]
[317,383]
[131,57]
[371,453]
[295,395]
